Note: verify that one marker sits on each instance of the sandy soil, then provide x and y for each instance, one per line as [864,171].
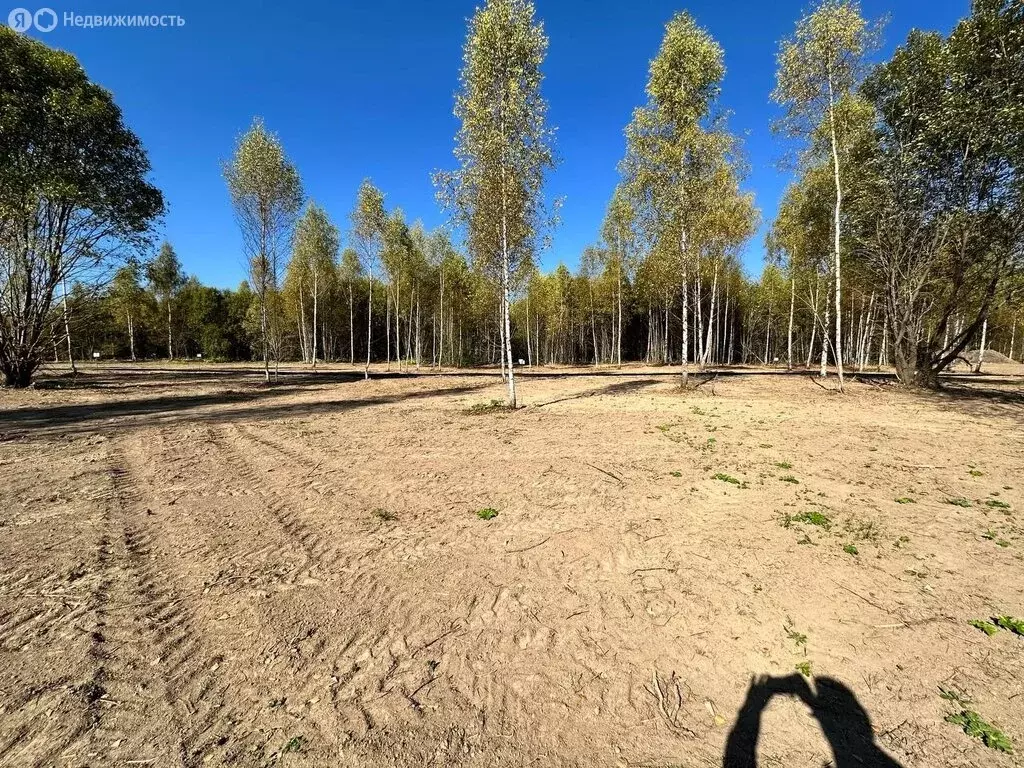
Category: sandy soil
[199,570]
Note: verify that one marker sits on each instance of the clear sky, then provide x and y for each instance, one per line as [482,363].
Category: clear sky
[358,88]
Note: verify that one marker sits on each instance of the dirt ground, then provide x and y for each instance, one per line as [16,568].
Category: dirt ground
[196,569]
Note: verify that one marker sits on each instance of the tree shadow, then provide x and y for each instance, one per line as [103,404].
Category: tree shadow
[843,720]
[252,404]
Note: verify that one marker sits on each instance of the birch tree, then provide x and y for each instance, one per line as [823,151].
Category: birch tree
[267,195]
[818,67]
[504,148]
[369,224]
[165,275]
[315,251]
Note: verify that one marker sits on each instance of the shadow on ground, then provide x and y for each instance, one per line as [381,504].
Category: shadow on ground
[843,720]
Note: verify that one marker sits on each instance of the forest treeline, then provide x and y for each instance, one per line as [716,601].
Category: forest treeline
[898,243]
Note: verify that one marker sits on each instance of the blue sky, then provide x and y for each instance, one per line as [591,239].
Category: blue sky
[357,89]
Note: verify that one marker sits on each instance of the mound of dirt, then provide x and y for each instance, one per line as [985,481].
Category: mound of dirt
[991,356]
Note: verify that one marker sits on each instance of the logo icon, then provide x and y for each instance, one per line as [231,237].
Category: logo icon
[20,19]
[45,19]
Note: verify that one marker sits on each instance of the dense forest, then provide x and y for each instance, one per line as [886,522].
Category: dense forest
[898,244]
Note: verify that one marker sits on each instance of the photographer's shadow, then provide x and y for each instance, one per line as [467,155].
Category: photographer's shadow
[843,720]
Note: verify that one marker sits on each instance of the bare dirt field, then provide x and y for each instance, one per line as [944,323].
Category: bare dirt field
[196,569]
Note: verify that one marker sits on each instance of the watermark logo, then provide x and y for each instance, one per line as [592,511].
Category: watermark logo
[45,20]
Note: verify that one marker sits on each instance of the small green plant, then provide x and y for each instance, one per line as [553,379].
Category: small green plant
[1010,623]
[813,517]
[799,638]
[676,473]
[985,626]
[765,445]
[959,502]
[663,427]
[976,473]
[697,411]
[997,504]
[804,668]
[295,744]
[727,478]
[905,500]
[384,514]
[487,513]
[850,549]
[974,726]
[789,479]
[783,465]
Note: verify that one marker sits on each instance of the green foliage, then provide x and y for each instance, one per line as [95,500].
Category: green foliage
[996,503]
[804,668]
[985,626]
[295,744]
[783,465]
[977,728]
[728,479]
[676,473]
[789,479]
[905,500]
[811,517]
[73,191]
[1009,623]
[487,513]
[850,549]
[384,514]
[959,502]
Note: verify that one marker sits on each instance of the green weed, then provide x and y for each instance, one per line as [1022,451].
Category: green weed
[727,479]
[976,473]
[384,514]
[959,502]
[478,409]
[676,473]
[1013,625]
[295,744]
[789,479]
[804,668]
[985,626]
[850,549]
[487,513]
[813,517]
[974,726]
[905,500]
[997,504]
[783,465]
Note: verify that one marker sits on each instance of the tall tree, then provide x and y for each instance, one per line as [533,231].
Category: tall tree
[939,202]
[369,223]
[349,271]
[128,295]
[165,276]
[504,147]
[818,68]
[315,248]
[267,194]
[73,191]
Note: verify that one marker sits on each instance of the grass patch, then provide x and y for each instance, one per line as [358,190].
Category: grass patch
[850,549]
[783,465]
[728,479]
[905,500]
[676,473]
[811,517]
[997,504]
[478,409]
[487,513]
[976,473]
[789,479]
[804,668]
[295,744]
[960,502]
[384,514]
